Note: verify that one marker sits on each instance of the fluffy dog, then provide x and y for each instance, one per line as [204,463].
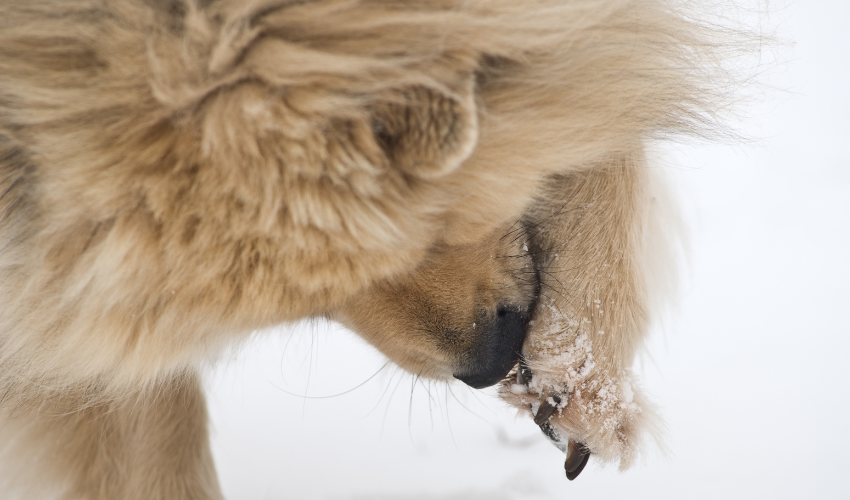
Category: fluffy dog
[460,182]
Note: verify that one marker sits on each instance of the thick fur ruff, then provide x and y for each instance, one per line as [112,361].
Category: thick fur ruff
[177,174]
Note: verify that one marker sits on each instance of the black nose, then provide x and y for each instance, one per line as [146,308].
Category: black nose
[496,351]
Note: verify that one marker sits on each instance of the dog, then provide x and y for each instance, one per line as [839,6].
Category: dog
[462,183]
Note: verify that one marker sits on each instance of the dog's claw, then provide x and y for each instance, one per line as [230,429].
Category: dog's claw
[577,454]
[577,457]
[546,410]
[523,374]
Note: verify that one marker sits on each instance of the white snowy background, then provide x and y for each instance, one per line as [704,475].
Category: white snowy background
[752,373]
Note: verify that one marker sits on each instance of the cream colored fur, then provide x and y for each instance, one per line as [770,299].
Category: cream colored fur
[592,317]
[177,174]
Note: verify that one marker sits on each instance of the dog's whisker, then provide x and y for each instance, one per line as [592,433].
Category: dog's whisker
[386,388]
[466,407]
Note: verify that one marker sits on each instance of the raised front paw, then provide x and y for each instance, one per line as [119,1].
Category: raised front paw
[583,410]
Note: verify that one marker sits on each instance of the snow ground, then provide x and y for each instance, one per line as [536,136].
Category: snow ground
[752,373]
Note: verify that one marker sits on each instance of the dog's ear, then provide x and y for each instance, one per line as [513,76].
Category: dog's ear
[427,132]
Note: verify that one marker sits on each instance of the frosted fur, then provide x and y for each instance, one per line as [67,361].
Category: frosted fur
[591,319]
[177,174]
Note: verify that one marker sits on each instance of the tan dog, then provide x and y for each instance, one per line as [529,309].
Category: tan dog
[443,176]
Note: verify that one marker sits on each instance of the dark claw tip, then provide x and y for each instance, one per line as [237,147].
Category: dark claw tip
[546,410]
[523,374]
[577,457]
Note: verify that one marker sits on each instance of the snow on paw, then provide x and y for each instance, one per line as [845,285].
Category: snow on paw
[582,407]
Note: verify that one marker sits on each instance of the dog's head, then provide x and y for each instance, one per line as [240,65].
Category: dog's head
[414,174]
[382,162]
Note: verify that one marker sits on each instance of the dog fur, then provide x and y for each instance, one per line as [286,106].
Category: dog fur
[177,174]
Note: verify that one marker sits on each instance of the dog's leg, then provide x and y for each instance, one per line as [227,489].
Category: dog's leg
[592,316]
[149,446]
